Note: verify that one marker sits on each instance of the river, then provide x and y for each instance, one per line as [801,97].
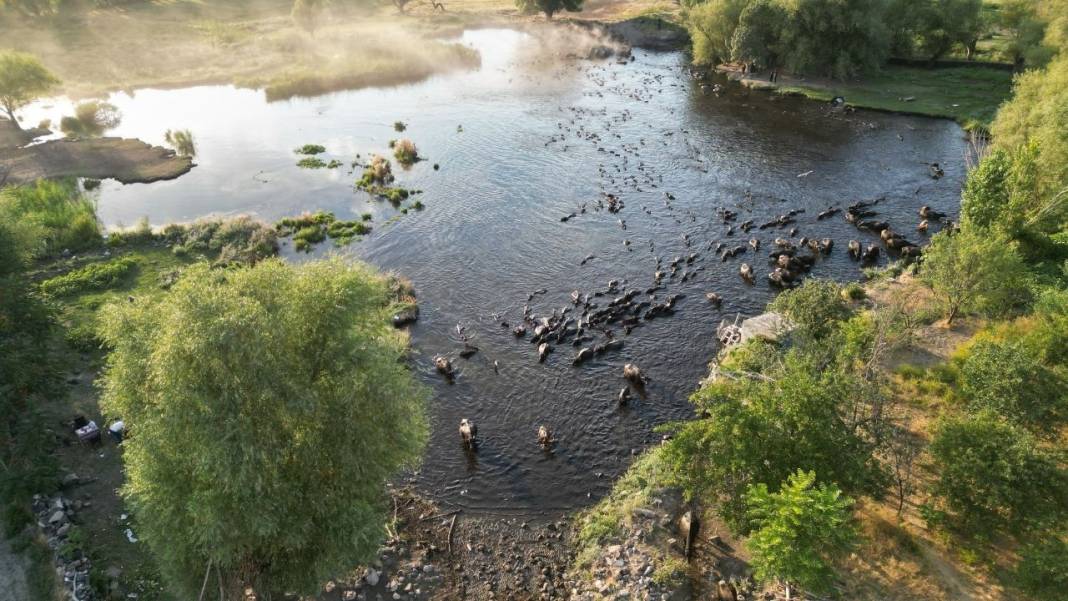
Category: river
[521,142]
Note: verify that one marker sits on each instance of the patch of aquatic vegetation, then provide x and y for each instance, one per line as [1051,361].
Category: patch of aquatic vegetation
[310,149]
[377,179]
[309,229]
[399,126]
[91,118]
[96,276]
[181,140]
[317,163]
[404,151]
[238,240]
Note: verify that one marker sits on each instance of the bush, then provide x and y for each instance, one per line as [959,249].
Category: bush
[405,152]
[992,473]
[53,216]
[974,270]
[1009,380]
[238,240]
[813,308]
[95,276]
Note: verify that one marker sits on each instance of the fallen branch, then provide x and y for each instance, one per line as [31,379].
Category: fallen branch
[451,527]
[441,515]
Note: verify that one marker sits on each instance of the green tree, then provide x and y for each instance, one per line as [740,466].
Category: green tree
[22,80]
[974,270]
[992,473]
[760,429]
[758,37]
[944,24]
[549,7]
[815,308]
[712,27]
[799,531]
[267,407]
[1020,21]
[1008,379]
[837,38]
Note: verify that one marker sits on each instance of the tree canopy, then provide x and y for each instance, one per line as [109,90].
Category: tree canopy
[974,270]
[22,80]
[550,7]
[799,530]
[267,407]
[992,473]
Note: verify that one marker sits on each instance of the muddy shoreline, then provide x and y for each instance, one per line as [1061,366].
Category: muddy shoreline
[127,160]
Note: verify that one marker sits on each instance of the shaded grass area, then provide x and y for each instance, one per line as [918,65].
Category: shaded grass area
[969,95]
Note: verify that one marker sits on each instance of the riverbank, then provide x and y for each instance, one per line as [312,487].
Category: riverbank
[969,95]
[900,556]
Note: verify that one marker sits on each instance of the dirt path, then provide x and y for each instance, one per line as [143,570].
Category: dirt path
[12,573]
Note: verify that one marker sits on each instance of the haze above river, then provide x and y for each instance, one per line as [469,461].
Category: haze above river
[521,142]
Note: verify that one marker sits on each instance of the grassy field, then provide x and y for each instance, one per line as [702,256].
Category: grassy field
[256,44]
[969,95]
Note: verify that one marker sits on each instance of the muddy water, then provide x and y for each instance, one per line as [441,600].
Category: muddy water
[520,143]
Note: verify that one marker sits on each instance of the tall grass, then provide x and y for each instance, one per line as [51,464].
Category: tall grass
[50,217]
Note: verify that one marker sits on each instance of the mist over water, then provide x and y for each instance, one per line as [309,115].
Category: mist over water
[522,142]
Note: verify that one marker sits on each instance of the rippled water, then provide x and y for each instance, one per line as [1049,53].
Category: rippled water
[491,232]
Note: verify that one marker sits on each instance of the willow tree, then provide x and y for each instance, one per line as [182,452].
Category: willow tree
[22,80]
[266,409]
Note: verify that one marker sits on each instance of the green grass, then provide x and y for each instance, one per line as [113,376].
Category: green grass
[95,276]
[969,95]
[51,216]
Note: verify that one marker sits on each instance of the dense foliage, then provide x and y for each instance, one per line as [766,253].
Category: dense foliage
[267,408]
[1010,380]
[837,38]
[27,374]
[549,7]
[52,216]
[760,428]
[994,474]
[974,270]
[798,531]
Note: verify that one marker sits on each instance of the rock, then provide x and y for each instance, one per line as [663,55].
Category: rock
[63,530]
[372,576]
[57,518]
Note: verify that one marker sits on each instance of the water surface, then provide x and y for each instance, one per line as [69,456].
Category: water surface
[520,143]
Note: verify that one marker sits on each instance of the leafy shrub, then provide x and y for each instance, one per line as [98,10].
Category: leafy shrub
[813,308]
[1009,380]
[992,473]
[974,270]
[139,234]
[95,276]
